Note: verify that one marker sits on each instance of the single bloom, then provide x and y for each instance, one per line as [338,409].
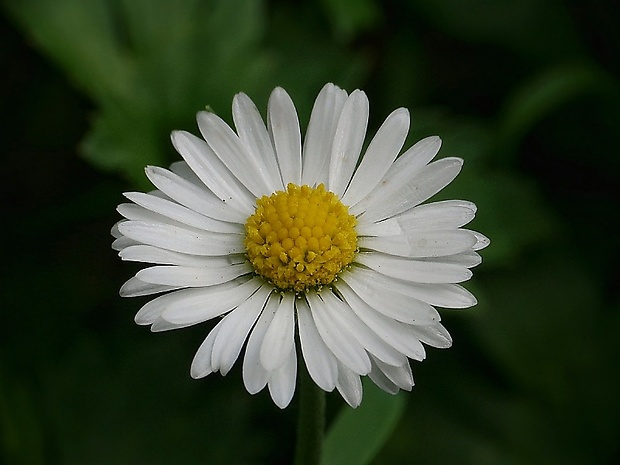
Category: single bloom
[317,249]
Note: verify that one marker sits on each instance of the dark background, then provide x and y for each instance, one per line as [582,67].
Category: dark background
[527,92]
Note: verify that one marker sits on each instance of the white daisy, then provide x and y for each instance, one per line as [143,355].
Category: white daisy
[312,245]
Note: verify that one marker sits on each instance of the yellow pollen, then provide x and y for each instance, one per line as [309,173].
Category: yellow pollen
[300,239]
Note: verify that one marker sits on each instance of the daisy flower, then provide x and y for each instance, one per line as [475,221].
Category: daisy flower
[302,250]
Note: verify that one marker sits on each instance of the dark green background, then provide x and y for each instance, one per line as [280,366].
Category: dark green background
[527,92]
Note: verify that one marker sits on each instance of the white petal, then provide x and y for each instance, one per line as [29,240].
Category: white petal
[401,375]
[116,234]
[186,276]
[282,381]
[395,333]
[147,313]
[201,364]
[181,168]
[320,134]
[413,270]
[402,172]
[197,198]
[184,240]
[196,305]
[433,335]
[390,303]
[382,381]
[279,339]
[320,361]
[234,154]
[123,242]
[160,325]
[337,337]
[404,194]
[482,241]
[152,310]
[348,142]
[343,315]
[379,156]
[253,133]
[255,376]
[134,212]
[212,172]
[349,385]
[235,329]
[419,244]
[151,254]
[444,295]
[441,295]
[182,214]
[135,287]
[468,259]
[283,126]
[447,214]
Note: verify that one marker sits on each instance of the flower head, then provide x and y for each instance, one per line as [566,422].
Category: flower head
[312,245]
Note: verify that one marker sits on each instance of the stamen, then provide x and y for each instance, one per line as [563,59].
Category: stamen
[301,238]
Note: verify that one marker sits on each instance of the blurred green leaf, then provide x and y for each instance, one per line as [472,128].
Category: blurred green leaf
[82,37]
[21,439]
[561,302]
[352,17]
[145,64]
[357,434]
[151,65]
[536,381]
[552,339]
[513,213]
[543,93]
[540,29]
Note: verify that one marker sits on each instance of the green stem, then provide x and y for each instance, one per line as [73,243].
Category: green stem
[311,421]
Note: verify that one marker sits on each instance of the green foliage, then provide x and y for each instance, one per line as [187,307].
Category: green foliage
[17,417]
[350,18]
[149,66]
[545,93]
[357,435]
[538,386]
[524,26]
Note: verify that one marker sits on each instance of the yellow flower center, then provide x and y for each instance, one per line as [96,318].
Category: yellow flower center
[301,238]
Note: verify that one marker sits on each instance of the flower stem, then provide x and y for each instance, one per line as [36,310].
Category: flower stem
[311,421]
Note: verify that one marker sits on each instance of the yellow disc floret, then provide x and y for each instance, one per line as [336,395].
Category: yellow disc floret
[301,238]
